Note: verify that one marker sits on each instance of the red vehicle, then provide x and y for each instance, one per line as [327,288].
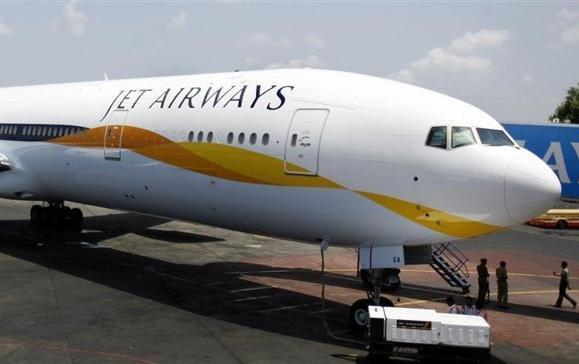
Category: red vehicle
[557,218]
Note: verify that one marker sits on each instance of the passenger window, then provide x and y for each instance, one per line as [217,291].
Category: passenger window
[265,139]
[200,136]
[462,136]
[252,138]
[229,138]
[493,137]
[437,137]
[294,140]
[209,137]
[241,138]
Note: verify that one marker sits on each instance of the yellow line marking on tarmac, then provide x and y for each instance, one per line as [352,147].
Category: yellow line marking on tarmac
[416,302]
[534,275]
[530,292]
[509,273]
[420,301]
[403,270]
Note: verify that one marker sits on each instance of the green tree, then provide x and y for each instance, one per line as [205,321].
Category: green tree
[569,108]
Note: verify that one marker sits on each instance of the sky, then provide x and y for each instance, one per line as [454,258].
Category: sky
[515,60]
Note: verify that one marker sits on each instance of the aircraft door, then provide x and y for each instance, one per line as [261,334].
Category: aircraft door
[114,134]
[302,147]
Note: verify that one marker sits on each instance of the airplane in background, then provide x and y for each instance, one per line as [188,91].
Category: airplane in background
[311,155]
[557,145]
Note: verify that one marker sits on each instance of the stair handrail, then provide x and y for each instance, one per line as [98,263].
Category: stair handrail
[454,256]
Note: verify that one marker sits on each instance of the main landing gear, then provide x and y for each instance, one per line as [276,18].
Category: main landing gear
[55,214]
[374,281]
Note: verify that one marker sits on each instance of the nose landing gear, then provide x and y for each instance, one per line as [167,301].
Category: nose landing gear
[374,281]
[56,215]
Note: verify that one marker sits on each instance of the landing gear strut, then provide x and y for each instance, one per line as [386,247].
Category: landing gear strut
[374,281]
[55,214]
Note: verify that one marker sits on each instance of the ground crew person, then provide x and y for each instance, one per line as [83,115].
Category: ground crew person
[564,286]
[502,285]
[483,280]
[468,308]
[452,308]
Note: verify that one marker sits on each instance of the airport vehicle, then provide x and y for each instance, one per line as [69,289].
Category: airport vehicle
[311,155]
[557,218]
[419,333]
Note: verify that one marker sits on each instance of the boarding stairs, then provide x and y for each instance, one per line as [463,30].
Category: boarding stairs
[450,263]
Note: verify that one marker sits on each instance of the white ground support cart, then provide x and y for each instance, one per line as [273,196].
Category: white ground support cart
[427,334]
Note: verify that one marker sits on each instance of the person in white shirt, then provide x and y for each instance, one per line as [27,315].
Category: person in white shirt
[468,308]
[452,308]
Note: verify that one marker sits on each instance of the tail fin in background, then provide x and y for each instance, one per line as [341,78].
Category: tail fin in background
[557,145]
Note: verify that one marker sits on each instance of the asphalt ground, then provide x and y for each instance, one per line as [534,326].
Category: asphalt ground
[140,289]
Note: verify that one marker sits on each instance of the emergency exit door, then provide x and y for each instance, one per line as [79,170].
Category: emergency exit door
[114,134]
[302,147]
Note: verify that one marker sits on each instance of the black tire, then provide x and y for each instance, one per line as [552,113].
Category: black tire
[55,217]
[358,316]
[77,218]
[67,216]
[35,214]
[561,224]
[385,302]
[44,216]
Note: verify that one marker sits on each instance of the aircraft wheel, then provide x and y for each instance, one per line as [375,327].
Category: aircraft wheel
[35,214]
[55,217]
[385,302]
[67,218]
[44,216]
[358,316]
[77,218]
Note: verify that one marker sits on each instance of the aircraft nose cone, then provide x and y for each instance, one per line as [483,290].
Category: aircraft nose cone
[531,188]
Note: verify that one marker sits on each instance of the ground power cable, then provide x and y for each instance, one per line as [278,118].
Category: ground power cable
[323,247]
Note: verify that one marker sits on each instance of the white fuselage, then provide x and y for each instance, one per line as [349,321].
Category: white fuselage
[303,154]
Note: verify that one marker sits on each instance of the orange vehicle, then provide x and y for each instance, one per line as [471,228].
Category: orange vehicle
[557,218]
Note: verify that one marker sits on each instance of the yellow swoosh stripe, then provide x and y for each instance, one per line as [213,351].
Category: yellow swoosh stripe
[242,165]
[433,219]
[269,170]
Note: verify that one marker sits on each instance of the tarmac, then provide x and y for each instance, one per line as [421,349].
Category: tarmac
[139,289]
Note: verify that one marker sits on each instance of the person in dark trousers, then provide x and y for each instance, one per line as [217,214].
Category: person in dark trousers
[483,280]
[502,286]
[564,286]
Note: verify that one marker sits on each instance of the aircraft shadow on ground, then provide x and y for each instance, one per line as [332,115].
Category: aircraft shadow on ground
[212,290]
[97,229]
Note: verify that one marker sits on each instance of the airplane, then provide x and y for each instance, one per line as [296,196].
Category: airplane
[556,144]
[312,155]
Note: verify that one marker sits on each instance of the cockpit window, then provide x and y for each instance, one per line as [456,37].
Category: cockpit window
[462,136]
[493,137]
[437,137]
